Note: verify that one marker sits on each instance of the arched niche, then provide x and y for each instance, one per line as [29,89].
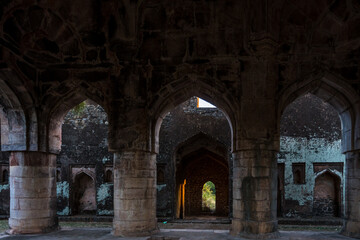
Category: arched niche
[83,194]
[109,176]
[327,195]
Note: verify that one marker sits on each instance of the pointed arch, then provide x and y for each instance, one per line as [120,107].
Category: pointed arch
[338,94]
[85,171]
[203,142]
[12,119]
[59,110]
[181,90]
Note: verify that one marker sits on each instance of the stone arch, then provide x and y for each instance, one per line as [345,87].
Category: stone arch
[327,194]
[85,171]
[198,160]
[181,90]
[19,102]
[83,193]
[335,92]
[59,111]
[200,140]
[13,121]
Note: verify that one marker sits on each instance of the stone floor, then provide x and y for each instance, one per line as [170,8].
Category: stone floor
[167,234]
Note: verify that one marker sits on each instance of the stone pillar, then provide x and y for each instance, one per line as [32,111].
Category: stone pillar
[134,193]
[254,194]
[351,226]
[32,193]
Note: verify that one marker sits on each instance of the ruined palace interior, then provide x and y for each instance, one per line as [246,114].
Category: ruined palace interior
[156,110]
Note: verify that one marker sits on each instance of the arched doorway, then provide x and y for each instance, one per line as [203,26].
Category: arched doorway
[202,164]
[209,197]
[84,201]
[327,195]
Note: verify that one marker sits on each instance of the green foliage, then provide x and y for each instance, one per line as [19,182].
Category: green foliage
[85,224]
[79,109]
[209,197]
[4,225]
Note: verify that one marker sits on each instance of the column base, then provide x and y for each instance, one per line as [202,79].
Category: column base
[34,228]
[254,230]
[138,229]
[351,229]
[237,226]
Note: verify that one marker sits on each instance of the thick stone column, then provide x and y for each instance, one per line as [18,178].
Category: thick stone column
[351,226]
[134,193]
[254,194]
[32,193]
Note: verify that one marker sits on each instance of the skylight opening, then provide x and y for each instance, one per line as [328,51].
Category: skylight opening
[201,103]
